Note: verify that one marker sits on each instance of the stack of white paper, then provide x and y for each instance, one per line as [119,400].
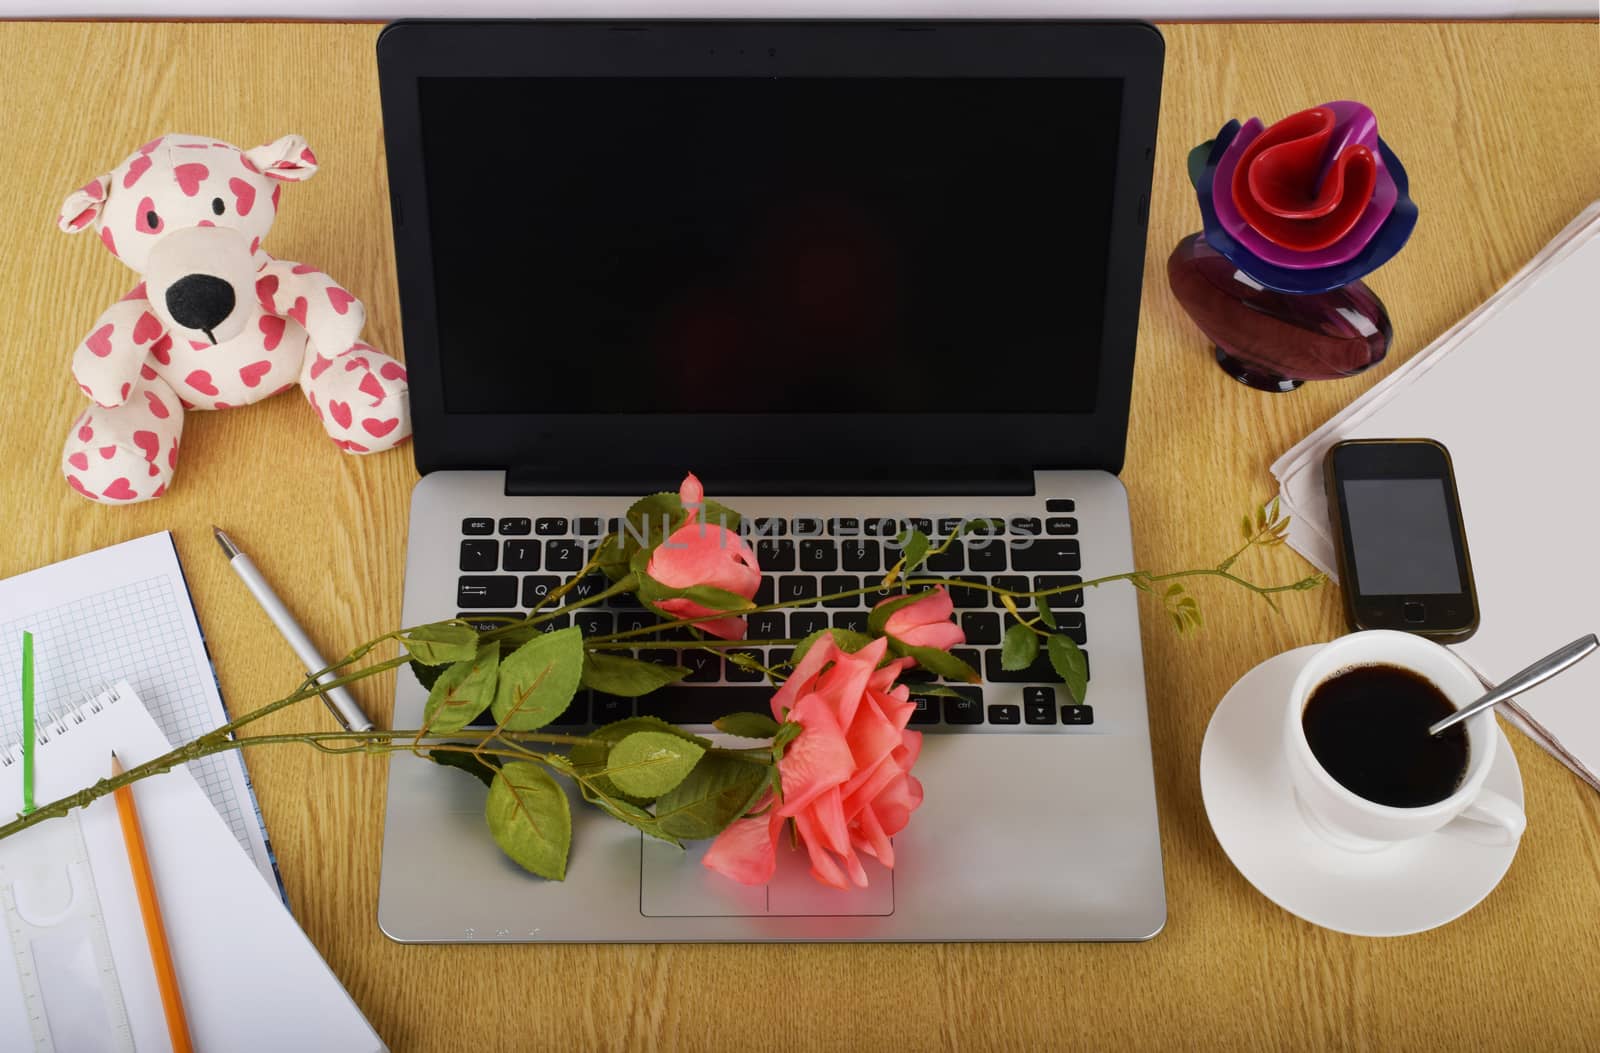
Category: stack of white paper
[1513,390]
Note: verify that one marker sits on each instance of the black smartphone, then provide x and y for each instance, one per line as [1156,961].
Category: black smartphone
[1402,546]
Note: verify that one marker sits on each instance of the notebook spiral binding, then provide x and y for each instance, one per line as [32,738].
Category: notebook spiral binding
[63,722]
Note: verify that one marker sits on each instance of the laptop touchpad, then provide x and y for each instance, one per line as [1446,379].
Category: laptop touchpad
[673,884]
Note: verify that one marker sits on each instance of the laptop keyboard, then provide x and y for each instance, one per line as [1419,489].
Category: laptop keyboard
[508,565]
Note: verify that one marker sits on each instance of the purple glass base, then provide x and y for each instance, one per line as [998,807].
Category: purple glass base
[1275,341]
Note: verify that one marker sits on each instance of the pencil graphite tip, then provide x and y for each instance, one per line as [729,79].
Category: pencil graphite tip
[229,549]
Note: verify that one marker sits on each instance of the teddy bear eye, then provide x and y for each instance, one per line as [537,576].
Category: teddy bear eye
[151,220]
[216,205]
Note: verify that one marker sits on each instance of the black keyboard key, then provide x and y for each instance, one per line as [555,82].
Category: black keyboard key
[803,623]
[948,525]
[1061,525]
[740,675]
[1011,583]
[1005,714]
[794,588]
[535,587]
[521,555]
[767,593]
[1026,526]
[477,592]
[563,555]
[702,705]
[778,658]
[767,625]
[921,523]
[477,525]
[1060,504]
[968,709]
[882,526]
[845,526]
[1039,705]
[480,555]
[1040,672]
[805,526]
[819,554]
[560,621]
[770,526]
[608,708]
[550,526]
[633,621]
[1072,625]
[927,711]
[576,713]
[1045,554]
[862,555]
[969,656]
[951,559]
[832,583]
[704,667]
[516,526]
[775,554]
[589,586]
[478,624]
[589,526]
[1062,600]
[965,597]
[986,554]
[1077,714]
[660,656]
[595,623]
[981,627]
[855,621]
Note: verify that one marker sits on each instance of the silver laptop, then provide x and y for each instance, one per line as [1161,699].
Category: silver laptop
[856,276]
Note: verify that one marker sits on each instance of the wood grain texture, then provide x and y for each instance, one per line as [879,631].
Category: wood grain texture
[1499,126]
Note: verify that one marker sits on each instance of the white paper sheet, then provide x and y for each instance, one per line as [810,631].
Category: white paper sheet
[1513,391]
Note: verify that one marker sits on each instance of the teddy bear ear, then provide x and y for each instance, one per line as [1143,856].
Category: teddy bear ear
[288,159]
[83,205]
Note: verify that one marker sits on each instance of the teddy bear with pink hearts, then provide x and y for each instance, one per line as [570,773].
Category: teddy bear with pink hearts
[216,322]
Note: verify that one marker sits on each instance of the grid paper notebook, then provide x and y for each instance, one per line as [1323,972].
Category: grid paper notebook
[124,613]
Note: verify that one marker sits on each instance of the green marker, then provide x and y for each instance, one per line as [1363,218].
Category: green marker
[27,723]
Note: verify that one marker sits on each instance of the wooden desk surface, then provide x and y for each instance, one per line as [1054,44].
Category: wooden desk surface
[1499,126]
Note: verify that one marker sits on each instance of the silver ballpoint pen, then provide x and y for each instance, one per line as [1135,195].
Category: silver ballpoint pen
[340,704]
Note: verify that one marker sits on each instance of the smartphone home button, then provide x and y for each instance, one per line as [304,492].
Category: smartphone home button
[1414,613]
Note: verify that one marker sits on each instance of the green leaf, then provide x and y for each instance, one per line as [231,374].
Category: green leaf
[1046,615]
[719,790]
[936,690]
[943,663]
[1174,589]
[649,763]
[716,599]
[538,679]
[463,761]
[848,641]
[530,819]
[880,614]
[1198,157]
[788,731]
[988,526]
[1020,647]
[1244,527]
[464,690]
[747,725]
[441,643]
[915,545]
[591,759]
[1068,662]
[627,677]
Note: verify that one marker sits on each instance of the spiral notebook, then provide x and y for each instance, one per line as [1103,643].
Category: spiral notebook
[124,612]
[78,976]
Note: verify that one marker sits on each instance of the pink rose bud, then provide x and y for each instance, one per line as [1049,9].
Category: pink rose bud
[700,553]
[925,623]
[847,780]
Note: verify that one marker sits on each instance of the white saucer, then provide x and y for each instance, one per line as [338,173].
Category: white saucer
[1409,887]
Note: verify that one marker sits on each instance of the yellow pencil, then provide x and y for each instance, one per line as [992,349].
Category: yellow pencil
[150,908]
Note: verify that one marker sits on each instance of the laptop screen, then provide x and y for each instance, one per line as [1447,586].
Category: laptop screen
[805,245]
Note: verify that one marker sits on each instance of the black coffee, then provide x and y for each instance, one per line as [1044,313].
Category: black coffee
[1368,727]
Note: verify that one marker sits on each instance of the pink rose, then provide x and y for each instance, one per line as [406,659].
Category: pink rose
[699,553]
[925,623]
[846,778]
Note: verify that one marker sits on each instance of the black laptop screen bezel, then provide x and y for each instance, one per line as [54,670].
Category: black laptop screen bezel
[409,51]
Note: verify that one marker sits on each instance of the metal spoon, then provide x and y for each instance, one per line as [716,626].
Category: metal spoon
[1537,673]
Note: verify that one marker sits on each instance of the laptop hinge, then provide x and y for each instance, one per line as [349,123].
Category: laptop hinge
[758,479]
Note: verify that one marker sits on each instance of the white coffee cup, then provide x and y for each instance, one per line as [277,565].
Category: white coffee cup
[1352,822]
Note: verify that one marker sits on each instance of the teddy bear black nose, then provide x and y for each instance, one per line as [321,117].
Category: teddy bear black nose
[200,301]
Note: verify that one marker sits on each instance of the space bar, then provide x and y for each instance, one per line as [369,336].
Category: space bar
[702,705]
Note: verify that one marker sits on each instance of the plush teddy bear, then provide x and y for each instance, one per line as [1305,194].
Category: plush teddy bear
[216,322]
